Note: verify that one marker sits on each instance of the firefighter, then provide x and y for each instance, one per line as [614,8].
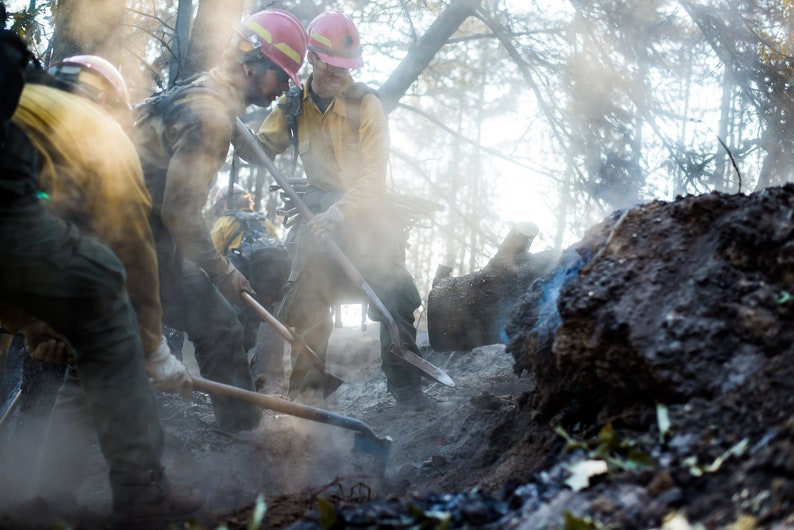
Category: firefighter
[250,240]
[343,142]
[183,137]
[77,285]
[91,174]
[226,231]
[92,177]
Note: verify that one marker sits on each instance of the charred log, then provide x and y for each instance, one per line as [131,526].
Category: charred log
[468,311]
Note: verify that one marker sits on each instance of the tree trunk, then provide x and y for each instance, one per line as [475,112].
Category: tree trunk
[469,311]
[424,50]
[212,32]
[178,60]
[87,27]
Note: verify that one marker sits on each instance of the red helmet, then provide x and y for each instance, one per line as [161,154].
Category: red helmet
[97,75]
[334,37]
[277,35]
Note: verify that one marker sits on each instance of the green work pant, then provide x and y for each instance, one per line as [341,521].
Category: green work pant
[318,282]
[76,284]
[191,303]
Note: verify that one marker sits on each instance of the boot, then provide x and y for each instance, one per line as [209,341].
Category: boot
[146,496]
[412,398]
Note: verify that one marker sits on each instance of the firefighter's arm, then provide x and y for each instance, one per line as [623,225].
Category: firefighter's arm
[167,372]
[273,137]
[119,209]
[199,151]
[41,341]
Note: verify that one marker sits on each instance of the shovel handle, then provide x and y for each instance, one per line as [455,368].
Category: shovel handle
[295,341]
[282,405]
[282,330]
[333,248]
[330,381]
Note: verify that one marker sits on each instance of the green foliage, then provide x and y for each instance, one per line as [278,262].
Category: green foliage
[31,24]
[620,453]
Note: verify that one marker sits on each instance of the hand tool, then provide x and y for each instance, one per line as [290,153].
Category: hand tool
[365,440]
[397,348]
[330,381]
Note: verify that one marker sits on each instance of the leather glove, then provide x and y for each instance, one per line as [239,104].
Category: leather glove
[231,283]
[45,344]
[167,372]
[322,224]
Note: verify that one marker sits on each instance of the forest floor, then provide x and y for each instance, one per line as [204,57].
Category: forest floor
[648,383]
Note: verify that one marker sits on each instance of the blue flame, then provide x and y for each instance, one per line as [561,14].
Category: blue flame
[548,319]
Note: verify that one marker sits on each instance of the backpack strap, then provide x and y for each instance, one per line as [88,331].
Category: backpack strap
[161,103]
[353,97]
[292,107]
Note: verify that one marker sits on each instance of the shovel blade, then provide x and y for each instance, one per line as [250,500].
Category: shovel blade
[330,383]
[426,368]
[373,445]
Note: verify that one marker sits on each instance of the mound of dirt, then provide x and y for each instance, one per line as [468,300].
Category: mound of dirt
[648,383]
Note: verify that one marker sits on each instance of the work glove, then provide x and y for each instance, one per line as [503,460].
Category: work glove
[45,344]
[322,224]
[231,283]
[167,372]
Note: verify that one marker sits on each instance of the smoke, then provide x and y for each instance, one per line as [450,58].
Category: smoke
[548,318]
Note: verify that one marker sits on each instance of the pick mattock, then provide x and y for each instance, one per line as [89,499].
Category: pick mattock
[330,381]
[365,441]
[399,350]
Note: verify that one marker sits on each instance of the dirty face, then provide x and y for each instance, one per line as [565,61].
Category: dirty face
[264,84]
[327,79]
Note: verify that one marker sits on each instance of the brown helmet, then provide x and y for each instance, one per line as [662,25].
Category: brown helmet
[276,35]
[333,36]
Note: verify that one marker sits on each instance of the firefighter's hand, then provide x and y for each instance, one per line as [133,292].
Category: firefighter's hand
[323,224]
[167,372]
[231,283]
[45,344]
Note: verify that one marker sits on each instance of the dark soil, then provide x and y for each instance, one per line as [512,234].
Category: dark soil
[647,383]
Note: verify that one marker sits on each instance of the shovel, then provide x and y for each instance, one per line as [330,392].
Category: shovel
[11,407]
[330,381]
[365,441]
[399,350]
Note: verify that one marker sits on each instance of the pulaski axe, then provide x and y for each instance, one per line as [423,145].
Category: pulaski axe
[330,381]
[397,349]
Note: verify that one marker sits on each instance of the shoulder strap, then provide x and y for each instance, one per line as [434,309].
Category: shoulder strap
[292,107]
[353,98]
[160,104]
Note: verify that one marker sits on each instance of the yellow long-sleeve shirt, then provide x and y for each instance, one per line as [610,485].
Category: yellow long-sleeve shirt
[91,171]
[333,156]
